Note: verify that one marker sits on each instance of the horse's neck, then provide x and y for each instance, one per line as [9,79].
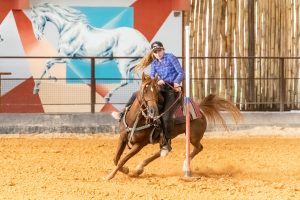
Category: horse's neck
[61,24]
[133,112]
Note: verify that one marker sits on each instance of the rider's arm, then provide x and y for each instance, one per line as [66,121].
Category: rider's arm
[152,71]
[180,76]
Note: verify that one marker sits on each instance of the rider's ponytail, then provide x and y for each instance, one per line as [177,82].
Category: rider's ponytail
[145,61]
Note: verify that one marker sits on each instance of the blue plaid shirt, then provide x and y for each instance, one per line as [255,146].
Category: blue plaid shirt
[168,69]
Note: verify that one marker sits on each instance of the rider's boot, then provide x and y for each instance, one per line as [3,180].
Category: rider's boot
[165,147]
[118,115]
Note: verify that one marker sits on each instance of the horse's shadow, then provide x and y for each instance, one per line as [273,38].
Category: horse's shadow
[226,171]
[197,174]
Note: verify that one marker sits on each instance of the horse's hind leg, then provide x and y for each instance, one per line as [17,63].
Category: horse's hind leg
[195,141]
[135,149]
[140,168]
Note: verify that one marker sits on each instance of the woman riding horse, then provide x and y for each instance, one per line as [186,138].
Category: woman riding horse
[170,74]
[138,127]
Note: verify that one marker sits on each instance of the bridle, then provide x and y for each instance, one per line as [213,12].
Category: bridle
[144,101]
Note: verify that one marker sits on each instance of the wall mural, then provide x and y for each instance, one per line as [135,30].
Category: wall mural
[79,38]
[50,29]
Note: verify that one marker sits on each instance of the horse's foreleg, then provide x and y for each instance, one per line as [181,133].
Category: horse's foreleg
[135,149]
[107,97]
[120,150]
[49,64]
[123,69]
[140,168]
[37,83]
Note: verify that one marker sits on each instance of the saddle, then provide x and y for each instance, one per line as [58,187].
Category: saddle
[179,118]
[180,112]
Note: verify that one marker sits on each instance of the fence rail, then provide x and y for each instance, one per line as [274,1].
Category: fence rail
[272,87]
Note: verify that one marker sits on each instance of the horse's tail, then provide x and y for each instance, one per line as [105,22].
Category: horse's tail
[211,106]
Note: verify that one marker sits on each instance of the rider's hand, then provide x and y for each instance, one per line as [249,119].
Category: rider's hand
[161,82]
[177,87]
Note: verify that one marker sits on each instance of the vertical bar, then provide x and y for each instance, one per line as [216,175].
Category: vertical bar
[93,85]
[281,84]
[251,52]
[0,94]
[2,73]
[187,168]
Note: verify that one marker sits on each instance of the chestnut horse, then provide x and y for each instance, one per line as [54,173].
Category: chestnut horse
[140,121]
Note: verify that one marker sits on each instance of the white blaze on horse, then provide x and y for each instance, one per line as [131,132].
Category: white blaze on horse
[78,39]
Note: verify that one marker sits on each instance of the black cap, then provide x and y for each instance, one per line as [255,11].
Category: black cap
[157,45]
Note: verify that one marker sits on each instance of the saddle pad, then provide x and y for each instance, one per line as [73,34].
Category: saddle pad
[194,109]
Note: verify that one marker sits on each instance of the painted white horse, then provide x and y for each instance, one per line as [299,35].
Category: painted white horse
[77,38]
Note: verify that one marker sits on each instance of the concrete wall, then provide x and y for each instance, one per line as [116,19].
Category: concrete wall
[104,123]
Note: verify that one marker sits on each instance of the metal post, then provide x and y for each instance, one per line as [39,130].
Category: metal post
[251,52]
[93,86]
[187,168]
[281,84]
[2,73]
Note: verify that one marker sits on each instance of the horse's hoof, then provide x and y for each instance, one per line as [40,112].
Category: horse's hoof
[138,172]
[107,178]
[107,99]
[125,170]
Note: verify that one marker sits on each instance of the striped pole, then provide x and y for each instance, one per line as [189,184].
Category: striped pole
[186,167]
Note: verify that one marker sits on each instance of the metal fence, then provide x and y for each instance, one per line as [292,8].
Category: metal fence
[273,86]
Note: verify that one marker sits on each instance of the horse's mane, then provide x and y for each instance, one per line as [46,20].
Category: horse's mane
[67,13]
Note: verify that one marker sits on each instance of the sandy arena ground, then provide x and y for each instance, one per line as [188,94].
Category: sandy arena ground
[72,167]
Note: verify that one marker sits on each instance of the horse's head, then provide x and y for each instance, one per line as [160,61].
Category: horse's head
[149,96]
[38,23]
[61,17]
